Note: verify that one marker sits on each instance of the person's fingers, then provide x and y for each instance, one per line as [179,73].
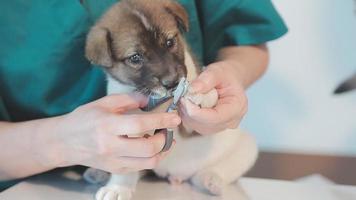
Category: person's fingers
[144,147]
[205,82]
[122,102]
[140,123]
[188,108]
[143,163]
[123,165]
[203,129]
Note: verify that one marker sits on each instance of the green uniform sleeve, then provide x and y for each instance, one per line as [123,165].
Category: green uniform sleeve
[4,115]
[6,184]
[97,8]
[238,22]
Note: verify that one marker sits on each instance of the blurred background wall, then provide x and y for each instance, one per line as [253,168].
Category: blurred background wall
[293,109]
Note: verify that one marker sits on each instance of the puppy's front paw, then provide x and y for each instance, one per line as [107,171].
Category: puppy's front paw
[210,182]
[207,100]
[114,192]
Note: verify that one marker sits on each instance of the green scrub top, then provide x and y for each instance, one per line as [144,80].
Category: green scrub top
[43,71]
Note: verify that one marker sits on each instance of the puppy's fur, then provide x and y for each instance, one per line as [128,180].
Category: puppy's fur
[140,45]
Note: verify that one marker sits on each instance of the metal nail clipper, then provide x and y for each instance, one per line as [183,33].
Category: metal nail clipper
[177,94]
[181,90]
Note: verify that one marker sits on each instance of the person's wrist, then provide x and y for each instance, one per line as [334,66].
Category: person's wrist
[233,68]
[52,155]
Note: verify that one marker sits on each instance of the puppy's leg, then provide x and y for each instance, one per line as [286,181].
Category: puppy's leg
[119,187]
[96,176]
[214,178]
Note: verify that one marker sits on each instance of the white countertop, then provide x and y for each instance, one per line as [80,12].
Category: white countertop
[59,187]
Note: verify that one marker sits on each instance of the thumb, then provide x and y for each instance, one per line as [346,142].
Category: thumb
[122,102]
[205,82]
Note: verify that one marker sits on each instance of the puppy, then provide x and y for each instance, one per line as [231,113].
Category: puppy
[140,46]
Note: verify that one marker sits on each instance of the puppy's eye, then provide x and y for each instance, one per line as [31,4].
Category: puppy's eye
[135,60]
[170,43]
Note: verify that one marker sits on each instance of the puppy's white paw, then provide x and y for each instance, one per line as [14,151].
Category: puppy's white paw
[207,100]
[210,182]
[114,192]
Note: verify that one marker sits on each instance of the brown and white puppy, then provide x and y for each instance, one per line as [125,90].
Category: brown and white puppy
[140,45]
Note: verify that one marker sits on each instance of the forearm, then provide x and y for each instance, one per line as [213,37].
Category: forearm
[248,62]
[27,148]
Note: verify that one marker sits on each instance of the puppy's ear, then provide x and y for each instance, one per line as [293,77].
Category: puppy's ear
[180,15]
[98,47]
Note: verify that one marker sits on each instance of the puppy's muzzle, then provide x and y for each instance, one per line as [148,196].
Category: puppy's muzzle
[170,81]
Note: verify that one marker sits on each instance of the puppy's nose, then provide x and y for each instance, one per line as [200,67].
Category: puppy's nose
[170,81]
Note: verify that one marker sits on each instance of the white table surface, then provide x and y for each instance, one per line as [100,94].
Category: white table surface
[59,186]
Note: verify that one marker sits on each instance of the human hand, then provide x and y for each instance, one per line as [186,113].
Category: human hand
[231,105]
[94,135]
